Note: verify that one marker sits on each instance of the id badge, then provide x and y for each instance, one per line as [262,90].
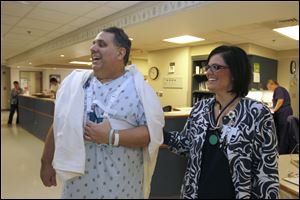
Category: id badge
[228,131]
[93,117]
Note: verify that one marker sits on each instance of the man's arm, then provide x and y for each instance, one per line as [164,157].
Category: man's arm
[133,137]
[47,172]
[278,104]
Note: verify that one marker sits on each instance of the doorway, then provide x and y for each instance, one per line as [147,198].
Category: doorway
[31,81]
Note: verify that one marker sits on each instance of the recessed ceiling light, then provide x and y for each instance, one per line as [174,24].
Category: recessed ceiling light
[81,63]
[30,63]
[290,31]
[130,39]
[183,39]
[62,55]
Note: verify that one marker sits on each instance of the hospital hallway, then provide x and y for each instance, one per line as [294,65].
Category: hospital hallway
[20,164]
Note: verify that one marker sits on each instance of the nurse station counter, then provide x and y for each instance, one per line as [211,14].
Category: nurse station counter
[36,116]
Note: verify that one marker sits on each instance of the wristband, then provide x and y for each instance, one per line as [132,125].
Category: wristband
[110,137]
[117,138]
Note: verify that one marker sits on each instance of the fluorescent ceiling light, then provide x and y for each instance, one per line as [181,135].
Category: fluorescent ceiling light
[290,31]
[81,63]
[183,39]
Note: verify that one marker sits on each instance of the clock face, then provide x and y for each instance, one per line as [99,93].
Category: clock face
[293,66]
[153,73]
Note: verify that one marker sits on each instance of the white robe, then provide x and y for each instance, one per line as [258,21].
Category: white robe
[69,155]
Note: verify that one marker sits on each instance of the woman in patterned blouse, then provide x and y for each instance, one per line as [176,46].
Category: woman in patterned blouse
[229,140]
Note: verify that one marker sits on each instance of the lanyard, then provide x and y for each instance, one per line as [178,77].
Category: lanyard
[218,118]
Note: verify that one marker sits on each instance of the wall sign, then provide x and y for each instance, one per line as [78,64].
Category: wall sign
[256,72]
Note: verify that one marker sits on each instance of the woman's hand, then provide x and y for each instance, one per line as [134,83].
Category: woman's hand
[97,133]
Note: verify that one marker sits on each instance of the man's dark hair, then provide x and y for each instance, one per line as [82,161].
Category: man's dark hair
[16,82]
[121,39]
[237,61]
[53,80]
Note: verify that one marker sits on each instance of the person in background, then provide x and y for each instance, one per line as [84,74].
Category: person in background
[229,140]
[107,127]
[54,85]
[14,102]
[281,109]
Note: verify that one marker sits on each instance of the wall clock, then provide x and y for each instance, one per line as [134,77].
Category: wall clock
[153,73]
[293,66]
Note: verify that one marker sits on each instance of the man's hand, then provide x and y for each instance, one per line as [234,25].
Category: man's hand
[48,175]
[97,133]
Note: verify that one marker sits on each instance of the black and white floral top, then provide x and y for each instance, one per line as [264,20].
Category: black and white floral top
[251,150]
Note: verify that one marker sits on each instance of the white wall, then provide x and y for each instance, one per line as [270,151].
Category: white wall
[5,87]
[47,72]
[14,76]
[287,80]
[182,58]
[161,59]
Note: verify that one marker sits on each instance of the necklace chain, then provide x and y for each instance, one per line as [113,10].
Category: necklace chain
[221,111]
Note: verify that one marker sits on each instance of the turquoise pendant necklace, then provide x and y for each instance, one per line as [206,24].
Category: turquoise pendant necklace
[213,139]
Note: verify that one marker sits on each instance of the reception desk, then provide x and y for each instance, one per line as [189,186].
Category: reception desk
[170,167]
[36,115]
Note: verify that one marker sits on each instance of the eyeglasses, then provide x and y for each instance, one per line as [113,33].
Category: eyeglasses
[215,67]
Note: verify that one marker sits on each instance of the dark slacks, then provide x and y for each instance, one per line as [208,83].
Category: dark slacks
[13,108]
[280,119]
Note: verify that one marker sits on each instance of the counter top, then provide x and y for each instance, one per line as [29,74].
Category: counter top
[287,167]
[178,112]
[35,97]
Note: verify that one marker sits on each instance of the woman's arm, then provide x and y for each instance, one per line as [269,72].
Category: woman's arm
[265,180]
[178,142]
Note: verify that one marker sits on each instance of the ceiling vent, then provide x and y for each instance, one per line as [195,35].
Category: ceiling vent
[287,22]
[292,20]
[281,23]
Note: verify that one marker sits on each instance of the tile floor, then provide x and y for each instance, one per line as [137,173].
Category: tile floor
[20,164]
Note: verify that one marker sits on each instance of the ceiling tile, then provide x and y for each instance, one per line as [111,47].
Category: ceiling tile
[266,34]
[4,29]
[9,20]
[120,5]
[37,24]
[98,2]
[33,32]
[100,12]
[15,38]
[82,21]
[50,16]
[249,28]
[64,30]
[75,8]
[279,44]
[14,8]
